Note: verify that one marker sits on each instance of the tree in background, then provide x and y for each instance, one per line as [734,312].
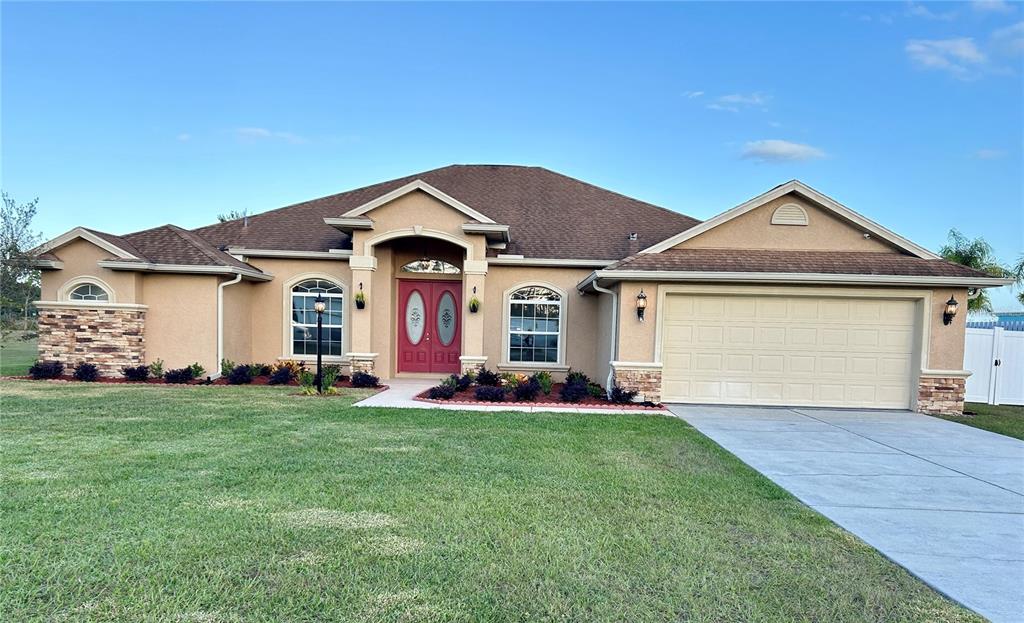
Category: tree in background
[233,215]
[1018,274]
[19,281]
[976,254]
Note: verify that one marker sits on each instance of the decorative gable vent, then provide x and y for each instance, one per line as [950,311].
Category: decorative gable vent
[789,214]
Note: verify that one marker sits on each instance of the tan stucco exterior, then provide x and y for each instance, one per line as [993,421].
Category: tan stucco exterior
[181,320]
[825,231]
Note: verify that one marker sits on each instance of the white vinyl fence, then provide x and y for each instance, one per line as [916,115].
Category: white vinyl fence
[995,356]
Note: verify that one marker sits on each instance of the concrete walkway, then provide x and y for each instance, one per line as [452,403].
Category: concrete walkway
[400,394]
[942,499]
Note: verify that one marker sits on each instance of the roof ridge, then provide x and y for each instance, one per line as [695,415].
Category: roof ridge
[201,244]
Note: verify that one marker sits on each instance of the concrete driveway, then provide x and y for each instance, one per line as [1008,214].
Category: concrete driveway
[942,499]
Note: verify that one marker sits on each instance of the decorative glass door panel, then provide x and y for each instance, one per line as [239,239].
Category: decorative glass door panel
[429,326]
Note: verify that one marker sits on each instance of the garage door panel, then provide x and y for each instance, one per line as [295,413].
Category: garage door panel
[794,350]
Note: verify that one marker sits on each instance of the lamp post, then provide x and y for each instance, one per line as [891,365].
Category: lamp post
[319,305]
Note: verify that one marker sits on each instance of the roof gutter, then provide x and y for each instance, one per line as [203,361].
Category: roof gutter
[149,267]
[613,347]
[799,278]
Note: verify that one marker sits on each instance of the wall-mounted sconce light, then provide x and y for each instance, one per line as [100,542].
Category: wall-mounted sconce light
[950,312]
[641,305]
[474,303]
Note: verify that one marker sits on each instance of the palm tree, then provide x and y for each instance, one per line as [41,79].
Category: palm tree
[976,254]
[1018,274]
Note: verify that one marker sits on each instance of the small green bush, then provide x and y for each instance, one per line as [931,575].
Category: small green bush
[46,370]
[544,380]
[156,368]
[197,370]
[226,366]
[86,372]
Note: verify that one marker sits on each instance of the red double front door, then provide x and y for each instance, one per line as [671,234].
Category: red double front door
[429,326]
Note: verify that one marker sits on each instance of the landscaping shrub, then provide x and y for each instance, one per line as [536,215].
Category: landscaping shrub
[574,392]
[362,379]
[442,392]
[487,378]
[281,376]
[136,373]
[156,368]
[307,381]
[197,370]
[180,375]
[260,369]
[46,370]
[463,382]
[240,375]
[596,391]
[511,379]
[544,379]
[330,375]
[622,396]
[291,364]
[226,366]
[490,393]
[574,376]
[527,390]
[86,372]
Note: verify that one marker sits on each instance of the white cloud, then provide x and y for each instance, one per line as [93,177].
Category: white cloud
[992,6]
[735,102]
[989,154]
[184,137]
[959,56]
[251,135]
[919,10]
[693,94]
[1009,40]
[775,150]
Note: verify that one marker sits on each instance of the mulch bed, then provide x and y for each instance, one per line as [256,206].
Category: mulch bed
[342,382]
[468,397]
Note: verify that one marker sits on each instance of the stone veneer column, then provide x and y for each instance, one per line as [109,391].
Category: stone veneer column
[644,378]
[941,394]
[111,337]
[474,276]
[359,355]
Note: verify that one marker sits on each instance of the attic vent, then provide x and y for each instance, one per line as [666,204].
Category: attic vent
[633,235]
[789,214]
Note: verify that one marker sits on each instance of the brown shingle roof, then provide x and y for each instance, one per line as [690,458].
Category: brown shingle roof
[773,261]
[550,215]
[170,244]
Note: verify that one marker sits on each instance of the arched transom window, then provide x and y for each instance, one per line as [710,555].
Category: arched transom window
[304,317]
[89,292]
[437,267]
[534,325]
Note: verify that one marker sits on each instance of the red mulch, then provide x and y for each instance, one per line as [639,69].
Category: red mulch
[468,396]
[117,380]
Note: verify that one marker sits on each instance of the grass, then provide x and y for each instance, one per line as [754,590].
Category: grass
[230,504]
[16,355]
[1003,419]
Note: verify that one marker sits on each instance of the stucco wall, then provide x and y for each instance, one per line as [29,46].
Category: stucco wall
[824,232]
[637,341]
[80,258]
[581,314]
[417,209]
[270,302]
[238,310]
[181,320]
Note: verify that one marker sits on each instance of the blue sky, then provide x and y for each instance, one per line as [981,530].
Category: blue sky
[126,116]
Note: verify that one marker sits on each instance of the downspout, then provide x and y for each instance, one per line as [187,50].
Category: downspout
[220,320]
[613,349]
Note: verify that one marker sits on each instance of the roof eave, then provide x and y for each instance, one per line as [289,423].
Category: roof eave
[186,269]
[612,276]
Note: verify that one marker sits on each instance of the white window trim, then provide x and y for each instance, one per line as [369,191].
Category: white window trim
[346,310]
[64,292]
[506,332]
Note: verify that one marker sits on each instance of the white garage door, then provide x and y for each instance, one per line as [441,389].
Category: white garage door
[788,350]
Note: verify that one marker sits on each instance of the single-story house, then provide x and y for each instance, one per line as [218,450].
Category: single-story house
[788,299]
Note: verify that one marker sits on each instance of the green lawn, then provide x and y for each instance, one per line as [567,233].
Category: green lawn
[16,355]
[1003,419]
[231,504]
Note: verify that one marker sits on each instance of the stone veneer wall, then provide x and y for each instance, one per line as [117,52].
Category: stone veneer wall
[941,395]
[362,364]
[109,338]
[647,381]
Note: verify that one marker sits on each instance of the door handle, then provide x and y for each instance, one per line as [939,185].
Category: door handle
[998,362]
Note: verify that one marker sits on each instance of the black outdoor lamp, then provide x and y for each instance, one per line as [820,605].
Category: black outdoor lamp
[319,305]
[641,305]
[950,312]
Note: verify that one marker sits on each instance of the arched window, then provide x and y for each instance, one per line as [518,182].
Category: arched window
[534,325]
[304,317]
[437,267]
[89,292]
